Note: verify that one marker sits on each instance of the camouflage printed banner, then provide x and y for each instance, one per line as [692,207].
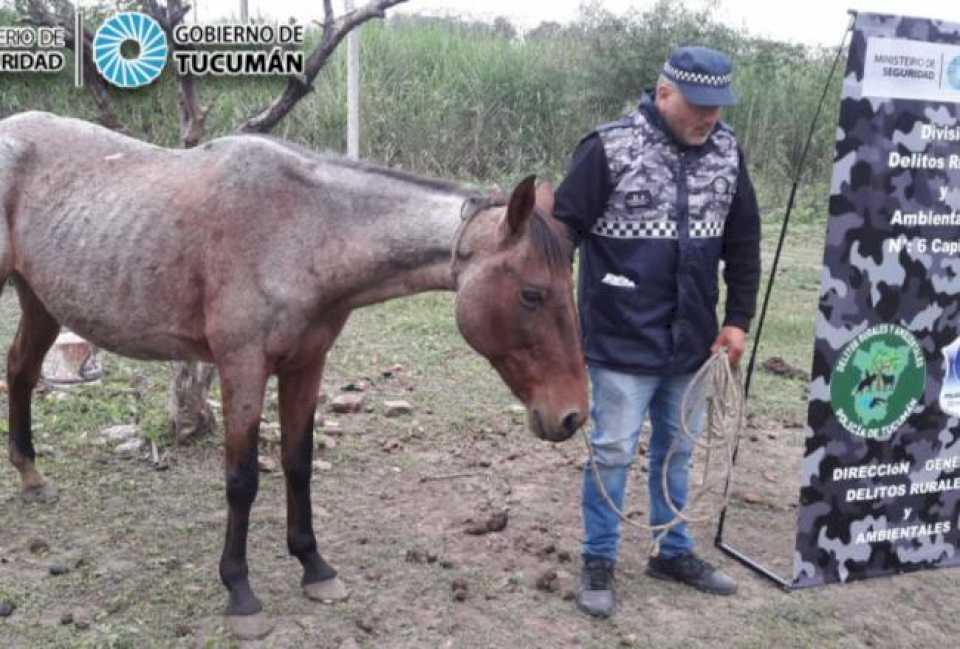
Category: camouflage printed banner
[880,483]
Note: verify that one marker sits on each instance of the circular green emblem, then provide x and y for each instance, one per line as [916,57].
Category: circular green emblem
[878,381]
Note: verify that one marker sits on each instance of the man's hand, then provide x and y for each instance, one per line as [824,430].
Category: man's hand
[734,339]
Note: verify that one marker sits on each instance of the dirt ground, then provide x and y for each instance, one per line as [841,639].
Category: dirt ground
[138,547]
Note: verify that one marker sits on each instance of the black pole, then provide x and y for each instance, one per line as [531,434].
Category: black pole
[718,540]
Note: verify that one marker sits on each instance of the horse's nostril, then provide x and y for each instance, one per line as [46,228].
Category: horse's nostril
[572,422]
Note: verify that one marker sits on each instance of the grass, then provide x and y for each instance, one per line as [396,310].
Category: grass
[447,99]
[166,527]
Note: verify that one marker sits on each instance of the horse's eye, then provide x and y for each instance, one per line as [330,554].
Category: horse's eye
[531,297]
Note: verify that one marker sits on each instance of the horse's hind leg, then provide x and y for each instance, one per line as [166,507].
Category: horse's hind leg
[298,401]
[35,335]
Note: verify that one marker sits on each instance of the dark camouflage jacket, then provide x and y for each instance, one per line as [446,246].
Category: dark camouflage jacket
[653,219]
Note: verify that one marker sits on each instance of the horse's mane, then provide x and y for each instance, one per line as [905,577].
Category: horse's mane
[542,236]
[329,157]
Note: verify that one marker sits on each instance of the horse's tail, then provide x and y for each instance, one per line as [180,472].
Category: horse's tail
[13,153]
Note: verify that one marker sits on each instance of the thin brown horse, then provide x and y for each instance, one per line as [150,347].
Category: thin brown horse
[250,253]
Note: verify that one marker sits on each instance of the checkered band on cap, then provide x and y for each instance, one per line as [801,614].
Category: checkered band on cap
[706,229]
[661,229]
[718,80]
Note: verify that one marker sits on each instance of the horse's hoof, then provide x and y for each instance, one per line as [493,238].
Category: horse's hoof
[40,494]
[326,591]
[250,627]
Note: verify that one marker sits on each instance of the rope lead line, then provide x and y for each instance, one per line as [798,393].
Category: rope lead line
[721,387]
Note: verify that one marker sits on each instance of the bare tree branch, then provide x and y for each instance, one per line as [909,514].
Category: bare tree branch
[298,87]
[193,116]
[59,13]
[328,18]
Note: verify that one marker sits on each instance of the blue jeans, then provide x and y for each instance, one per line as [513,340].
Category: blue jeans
[620,405]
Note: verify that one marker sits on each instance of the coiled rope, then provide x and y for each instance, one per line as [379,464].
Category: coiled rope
[720,385]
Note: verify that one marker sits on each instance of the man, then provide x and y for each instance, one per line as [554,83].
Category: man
[655,201]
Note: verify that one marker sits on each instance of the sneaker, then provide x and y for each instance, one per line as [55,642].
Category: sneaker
[692,570]
[596,596]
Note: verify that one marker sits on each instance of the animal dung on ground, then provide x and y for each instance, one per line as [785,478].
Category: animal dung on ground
[495,523]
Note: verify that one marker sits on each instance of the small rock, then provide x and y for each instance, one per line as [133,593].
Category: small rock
[629,640]
[569,596]
[66,618]
[392,371]
[57,569]
[497,522]
[327,442]
[82,618]
[397,408]
[356,386]
[547,582]
[270,432]
[460,589]
[349,643]
[45,450]
[771,476]
[266,464]
[38,545]
[322,465]
[416,556]
[120,433]
[778,366]
[547,550]
[366,624]
[331,426]
[7,608]
[563,556]
[129,447]
[183,630]
[347,403]
[754,498]
[446,564]
[754,438]
[391,445]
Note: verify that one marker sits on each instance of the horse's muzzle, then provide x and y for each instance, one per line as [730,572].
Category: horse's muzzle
[559,429]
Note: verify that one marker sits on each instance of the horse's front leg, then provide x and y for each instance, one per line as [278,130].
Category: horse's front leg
[298,391]
[35,335]
[243,380]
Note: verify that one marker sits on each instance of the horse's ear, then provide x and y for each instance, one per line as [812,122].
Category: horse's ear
[544,198]
[521,205]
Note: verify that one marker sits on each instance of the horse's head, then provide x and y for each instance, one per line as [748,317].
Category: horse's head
[515,306]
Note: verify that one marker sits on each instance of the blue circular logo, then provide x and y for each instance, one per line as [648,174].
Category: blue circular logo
[953,73]
[151,43]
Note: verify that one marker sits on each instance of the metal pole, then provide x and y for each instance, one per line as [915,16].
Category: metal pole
[244,11]
[353,89]
[718,541]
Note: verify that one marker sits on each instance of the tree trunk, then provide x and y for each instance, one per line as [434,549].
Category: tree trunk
[191,416]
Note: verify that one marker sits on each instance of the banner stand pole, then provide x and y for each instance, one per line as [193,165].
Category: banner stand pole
[718,542]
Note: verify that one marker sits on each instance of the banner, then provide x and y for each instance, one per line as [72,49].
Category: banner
[880,483]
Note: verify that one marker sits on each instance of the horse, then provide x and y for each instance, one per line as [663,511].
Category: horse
[250,253]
